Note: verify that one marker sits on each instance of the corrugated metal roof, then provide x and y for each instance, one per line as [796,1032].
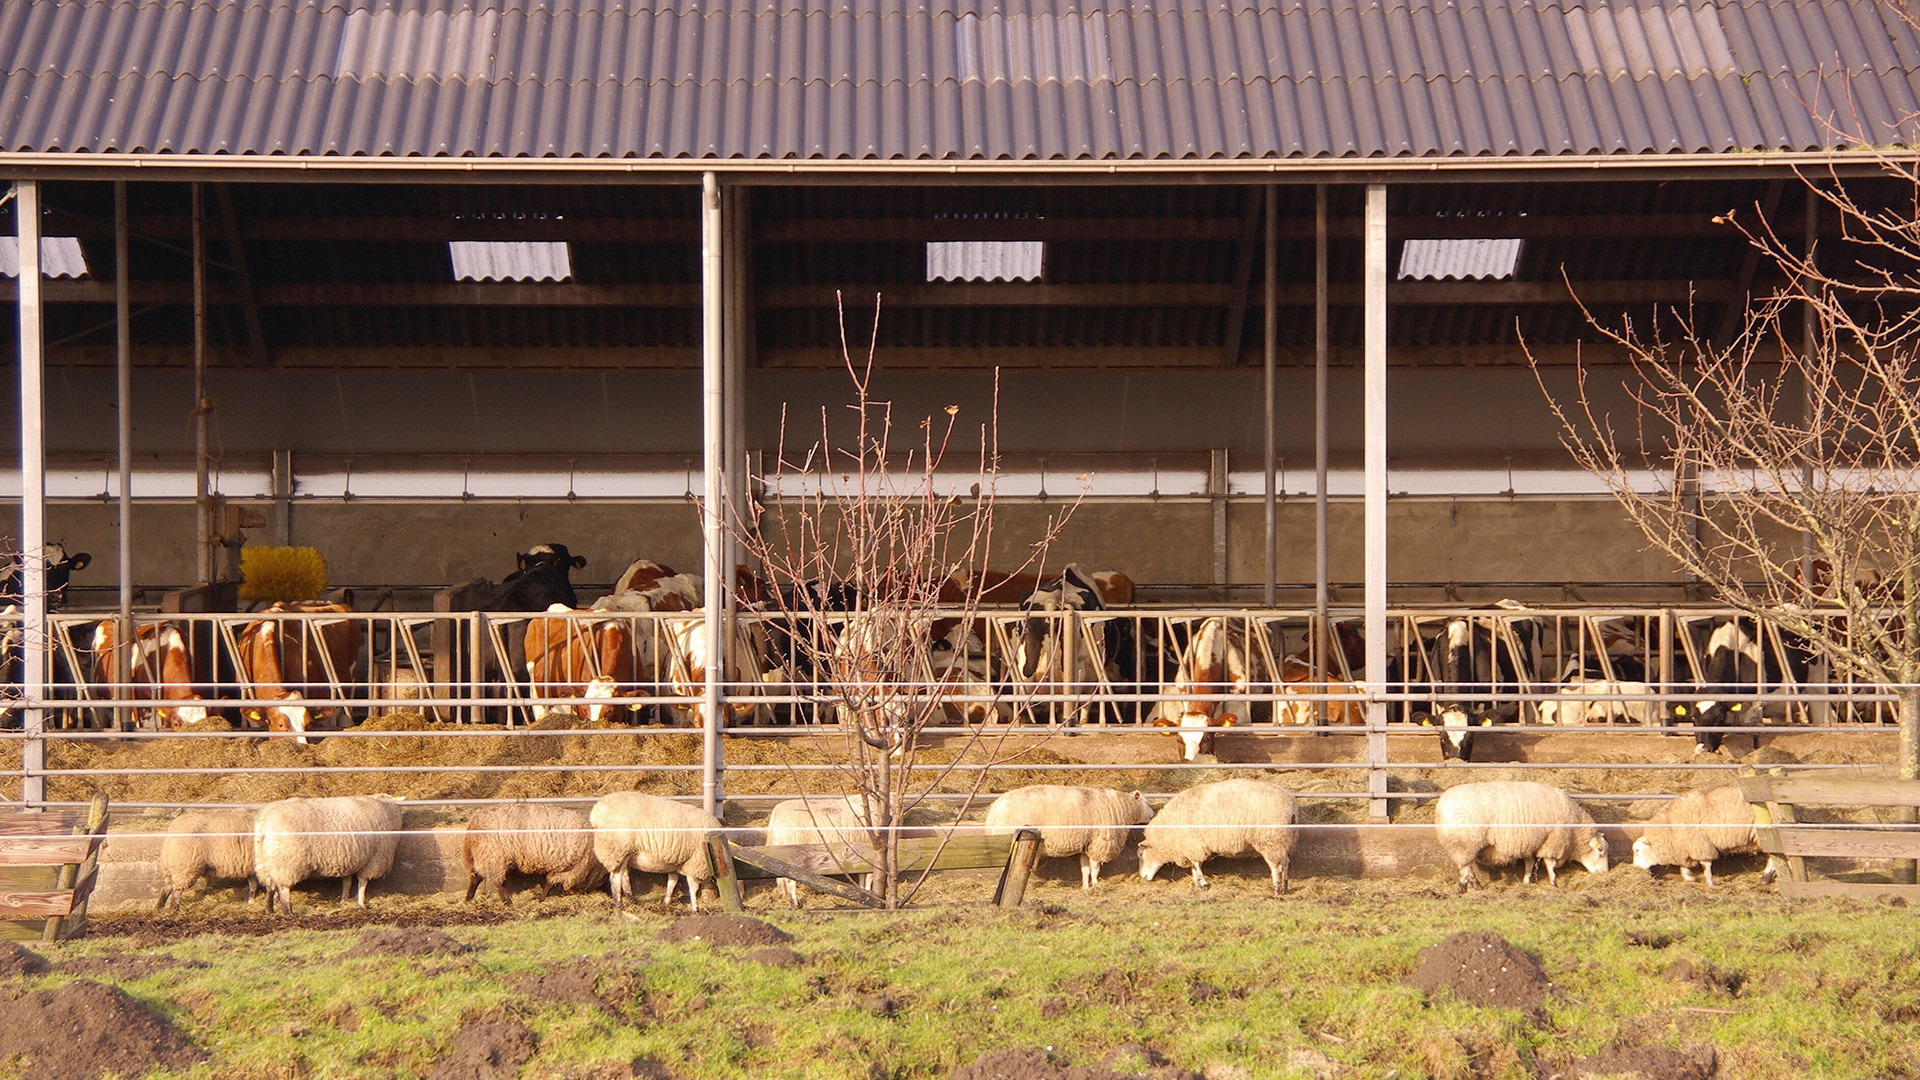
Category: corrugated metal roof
[952,79]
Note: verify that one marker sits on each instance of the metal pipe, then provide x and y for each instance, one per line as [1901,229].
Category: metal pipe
[33,496]
[713,433]
[206,569]
[123,372]
[1272,490]
[1375,347]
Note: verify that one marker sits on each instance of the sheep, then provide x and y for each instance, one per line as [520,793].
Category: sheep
[206,843]
[1089,822]
[1698,827]
[632,831]
[1230,818]
[834,825]
[529,838]
[1501,821]
[351,837]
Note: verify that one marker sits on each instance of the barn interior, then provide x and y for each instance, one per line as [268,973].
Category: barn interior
[420,379]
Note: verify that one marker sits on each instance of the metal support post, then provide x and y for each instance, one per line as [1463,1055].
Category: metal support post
[123,379]
[1217,483]
[33,498]
[714,430]
[1374,337]
[1271,580]
[1323,633]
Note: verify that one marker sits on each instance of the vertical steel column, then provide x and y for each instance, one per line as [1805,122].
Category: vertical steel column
[713,429]
[1272,491]
[1219,480]
[1374,337]
[283,497]
[33,497]
[123,372]
[1323,634]
[206,567]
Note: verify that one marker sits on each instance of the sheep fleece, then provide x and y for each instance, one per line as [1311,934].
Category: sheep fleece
[823,822]
[1072,820]
[1229,818]
[651,834]
[1503,821]
[217,843]
[531,838]
[346,836]
[1700,826]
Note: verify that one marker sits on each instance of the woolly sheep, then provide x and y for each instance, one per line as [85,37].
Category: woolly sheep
[1504,821]
[1697,828]
[834,825]
[214,844]
[1230,818]
[529,838]
[1089,822]
[632,831]
[351,837]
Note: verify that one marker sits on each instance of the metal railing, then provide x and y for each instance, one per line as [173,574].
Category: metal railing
[1112,672]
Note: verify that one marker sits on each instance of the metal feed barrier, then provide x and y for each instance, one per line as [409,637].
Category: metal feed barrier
[467,671]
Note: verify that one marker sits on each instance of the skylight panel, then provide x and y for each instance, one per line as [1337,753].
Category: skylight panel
[985,260]
[1460,259]
[510,260]
[60,257]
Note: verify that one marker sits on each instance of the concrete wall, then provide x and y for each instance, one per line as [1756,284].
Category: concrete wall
[1163,541]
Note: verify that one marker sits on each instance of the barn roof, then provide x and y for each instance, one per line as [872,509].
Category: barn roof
[691,81]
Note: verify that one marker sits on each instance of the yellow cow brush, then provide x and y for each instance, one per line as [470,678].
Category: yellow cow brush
[282,573]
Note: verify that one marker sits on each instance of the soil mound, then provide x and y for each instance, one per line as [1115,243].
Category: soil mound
[84,1029]
[17,960]
[775,956]
[490,1048]
[725,930]
[1134,1063]
[1484,969]
[1651,1063]
[407,941]
[612,990]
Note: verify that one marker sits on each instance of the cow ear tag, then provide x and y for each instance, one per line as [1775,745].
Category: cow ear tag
[1679,710]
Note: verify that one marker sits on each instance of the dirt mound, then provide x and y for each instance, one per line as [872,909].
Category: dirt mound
[85,1029]
[407,941]
[586,981]
[1484,969]
[725,930]
[492,1047]
[17,960]
[775,956]
[1651,1063]
[1129,1062]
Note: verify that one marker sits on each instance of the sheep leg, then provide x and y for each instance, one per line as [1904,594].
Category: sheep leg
[360,894]
[1687,874]
[253,887]
[506,897]
[617,884]
[1089,872]
[1468,879]
[1708,867]
[792,889]
[1199,879]
[1551,865]
[1278,872]
[1526,878]
[473,885]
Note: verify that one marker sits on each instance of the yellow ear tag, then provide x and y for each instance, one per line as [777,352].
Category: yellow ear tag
[1733,708]
[1679,710]
[1426,723]
[1488,722]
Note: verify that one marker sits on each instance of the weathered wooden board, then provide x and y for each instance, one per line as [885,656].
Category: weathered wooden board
[1820,790]
[44,850]
[1809,841]
[35,905]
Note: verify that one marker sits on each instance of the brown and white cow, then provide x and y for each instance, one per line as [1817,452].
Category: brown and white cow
[298,658]
[159,667]
[572,654]
[1216,662]
[745,663]
[1297,675]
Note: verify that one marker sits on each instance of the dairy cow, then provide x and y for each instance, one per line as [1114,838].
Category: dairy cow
[1215,663]
[283,659]
[1475,660]
[159,667]
[60,567]
[1739,662]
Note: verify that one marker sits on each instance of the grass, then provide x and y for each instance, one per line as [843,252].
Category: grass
[1226,979]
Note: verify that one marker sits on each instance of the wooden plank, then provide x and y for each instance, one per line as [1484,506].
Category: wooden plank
[765,865]
[45,851]
[15,905]
[38,824]
[1816,789]
[973,852]
[1861,890]
[1806,841]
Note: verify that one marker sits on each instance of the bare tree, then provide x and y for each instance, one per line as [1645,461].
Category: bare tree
[1778,463]
[873,555]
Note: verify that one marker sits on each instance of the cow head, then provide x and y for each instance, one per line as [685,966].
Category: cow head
[60,567]
[1195,730]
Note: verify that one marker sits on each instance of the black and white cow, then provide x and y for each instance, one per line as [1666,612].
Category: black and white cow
[1476,659]
[1038,655]
[542,579]
[60,567]
[1740,662]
